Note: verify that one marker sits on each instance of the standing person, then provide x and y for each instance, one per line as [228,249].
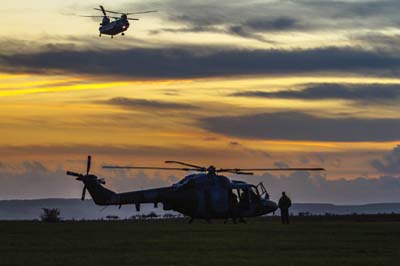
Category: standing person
[284,205]
[233,207]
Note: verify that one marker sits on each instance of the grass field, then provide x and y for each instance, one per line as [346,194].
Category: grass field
[259,242]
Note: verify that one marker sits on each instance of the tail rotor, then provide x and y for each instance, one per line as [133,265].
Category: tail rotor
[88,164]
[86,177]
[83,193]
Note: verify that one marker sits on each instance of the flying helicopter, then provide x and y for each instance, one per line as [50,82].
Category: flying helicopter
[119,25]
[204,194]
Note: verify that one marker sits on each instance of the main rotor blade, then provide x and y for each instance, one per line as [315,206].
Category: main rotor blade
[239,172]
[270,169]
[187,164]
[91,16]
[73,174]
[102,10]
[109,11]
[89,163]
[142,12]
[126,18]
[83,193]
[148,168]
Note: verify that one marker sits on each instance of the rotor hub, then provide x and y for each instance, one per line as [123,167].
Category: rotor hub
[211,169]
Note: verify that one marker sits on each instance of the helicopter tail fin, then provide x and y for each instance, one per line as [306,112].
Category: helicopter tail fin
[99,194]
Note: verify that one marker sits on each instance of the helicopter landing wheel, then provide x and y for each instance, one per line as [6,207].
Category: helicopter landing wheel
[100,35]
[112,36]
[123,34]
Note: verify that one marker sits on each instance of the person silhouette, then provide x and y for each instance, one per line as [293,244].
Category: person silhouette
[284,205]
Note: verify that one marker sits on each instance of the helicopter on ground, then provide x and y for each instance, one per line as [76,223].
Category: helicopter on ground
[202,195]
[119,25]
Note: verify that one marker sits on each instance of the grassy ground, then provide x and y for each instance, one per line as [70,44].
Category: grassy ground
[259,242]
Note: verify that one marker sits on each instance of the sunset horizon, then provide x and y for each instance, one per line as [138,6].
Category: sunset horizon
[239,85]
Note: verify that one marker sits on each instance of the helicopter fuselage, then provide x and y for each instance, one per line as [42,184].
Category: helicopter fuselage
[120,23]
[204,196]
[114,28]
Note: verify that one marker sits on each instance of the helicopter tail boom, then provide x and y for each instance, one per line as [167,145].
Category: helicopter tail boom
[104,196]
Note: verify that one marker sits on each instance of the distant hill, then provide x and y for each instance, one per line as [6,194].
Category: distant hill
[70,209]
[77,209]
[315,208]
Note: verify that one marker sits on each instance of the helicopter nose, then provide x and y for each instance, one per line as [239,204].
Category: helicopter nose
[270,205]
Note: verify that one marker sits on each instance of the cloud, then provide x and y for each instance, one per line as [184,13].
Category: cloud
[180,151]
[305,187]
[366,93]
[281,165]
[350,9]
[244,32]
[378,41]
[40,181]
[192,62]
[390,164]
[142,103]
[234,143]
[113,154]
[274,24]
[32,179]
[251,29]
[275,15]
[302,126]
[236,30]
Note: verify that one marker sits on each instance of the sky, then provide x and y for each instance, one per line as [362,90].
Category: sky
[298,83]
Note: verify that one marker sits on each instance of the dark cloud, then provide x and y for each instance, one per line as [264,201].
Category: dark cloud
[390,164]
[251,29]
[301,126]
[190,62]
[366,9]
[246,33]
[276,24]
[142,103]
[355,92]
[270,16]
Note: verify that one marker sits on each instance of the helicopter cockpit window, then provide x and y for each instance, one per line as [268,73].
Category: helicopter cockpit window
[235,196]
[254,194]
[244,200]
[189,180]
[181,182]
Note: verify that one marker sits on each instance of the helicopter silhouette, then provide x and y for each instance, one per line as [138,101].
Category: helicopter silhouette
[202,195]
[119,25]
